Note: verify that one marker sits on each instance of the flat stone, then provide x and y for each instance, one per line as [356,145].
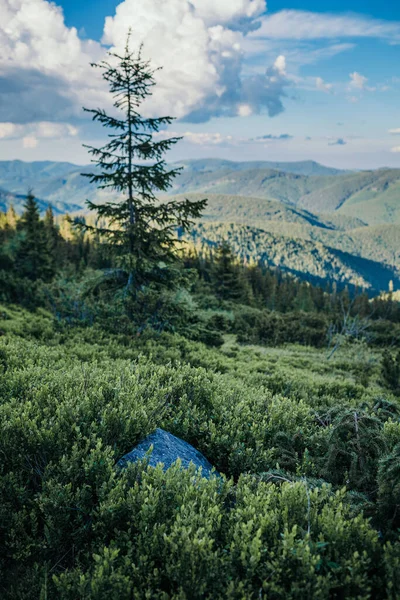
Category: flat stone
[166,450]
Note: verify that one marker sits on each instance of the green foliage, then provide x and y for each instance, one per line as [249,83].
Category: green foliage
[390,370]
[33,258]
[299,255]
[389,489]
[287,428]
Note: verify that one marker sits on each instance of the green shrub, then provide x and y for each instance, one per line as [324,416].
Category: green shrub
[286,428]
[390,371]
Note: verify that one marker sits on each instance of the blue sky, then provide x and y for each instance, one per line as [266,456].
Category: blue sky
[291,81]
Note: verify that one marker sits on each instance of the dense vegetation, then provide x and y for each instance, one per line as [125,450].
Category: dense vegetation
[331,246]
[310,260]
[308,447]
[291,390]
[307,440]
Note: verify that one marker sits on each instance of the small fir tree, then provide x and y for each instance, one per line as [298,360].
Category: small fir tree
[230,283]
[33,259]
[52,237]
[141,231]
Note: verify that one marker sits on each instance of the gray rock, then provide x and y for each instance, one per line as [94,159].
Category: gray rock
[166,450]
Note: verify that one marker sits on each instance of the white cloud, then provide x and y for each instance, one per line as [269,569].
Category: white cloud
[280,65]
[199,138]
[394,131]
[231,13]
[219,139]
[8,130]
[395,150]
[31,133]
[305,25]
[30,141]
[358,81]
[244,110]
[322,86]
[45,66]
[199,45]
[207,139]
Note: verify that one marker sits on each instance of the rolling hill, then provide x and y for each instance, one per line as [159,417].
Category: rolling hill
[313,221]
[17,201]
[372,196]
[379,243]
[262,211]
[303,258]
[306,167]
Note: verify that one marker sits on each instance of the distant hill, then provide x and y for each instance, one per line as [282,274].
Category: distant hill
[311,260]
[378,202]
[306,167]
[305,214]
[261,183]
[379,243]
[17,175]
[262,211]
[372,196]
[18,200]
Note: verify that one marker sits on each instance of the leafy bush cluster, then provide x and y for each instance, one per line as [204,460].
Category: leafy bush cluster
[309,502]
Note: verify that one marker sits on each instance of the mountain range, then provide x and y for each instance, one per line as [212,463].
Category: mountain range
[309,219]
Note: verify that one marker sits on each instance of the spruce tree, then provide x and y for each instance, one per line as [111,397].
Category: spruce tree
[141,230]
[229,279]
[52,235]
[33,258]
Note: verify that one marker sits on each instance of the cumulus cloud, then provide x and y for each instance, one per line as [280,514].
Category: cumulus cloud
[235,14]
[31,133]
[359,82]
[30,141]
[244,110]
[305,25]
[322,86]
[396,150]
[394,131]
[199,45]
[45,66]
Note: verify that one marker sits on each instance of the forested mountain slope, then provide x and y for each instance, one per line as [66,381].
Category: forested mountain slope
[352,217]
[311,260]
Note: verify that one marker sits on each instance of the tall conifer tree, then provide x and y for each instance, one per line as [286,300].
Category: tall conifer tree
[141,230]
